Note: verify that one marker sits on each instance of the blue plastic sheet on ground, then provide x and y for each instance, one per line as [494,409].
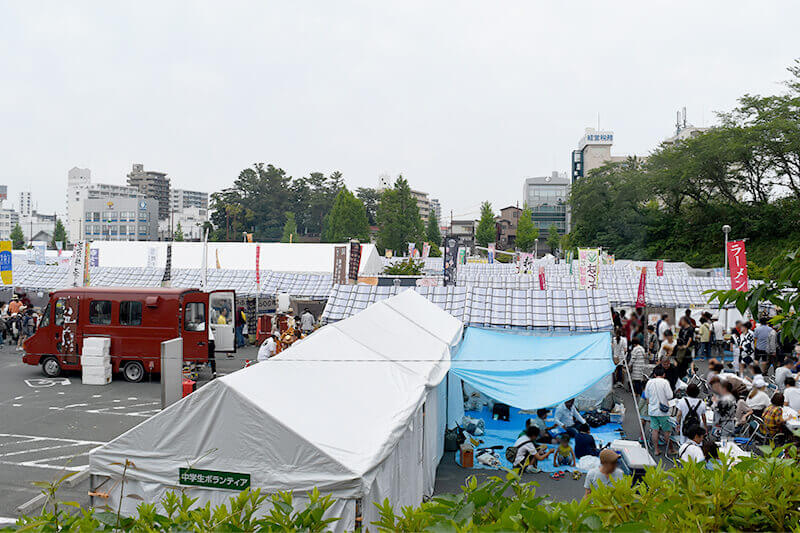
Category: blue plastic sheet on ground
[506,434]
[530,371]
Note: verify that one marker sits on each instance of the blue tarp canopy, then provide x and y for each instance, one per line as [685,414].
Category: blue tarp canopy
[530,371]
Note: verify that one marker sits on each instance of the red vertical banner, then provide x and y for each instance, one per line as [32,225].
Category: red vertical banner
[660,267]
[258,266]
[737,260]
[542,281]
[640,301]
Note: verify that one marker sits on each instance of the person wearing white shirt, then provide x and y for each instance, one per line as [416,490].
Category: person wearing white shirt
[663,327]
[567,417]
[791,394]
[783,372]
[267,348]
[619,346]
[757,400]
[667,345]
[658,393]
[691,450]
[307,321]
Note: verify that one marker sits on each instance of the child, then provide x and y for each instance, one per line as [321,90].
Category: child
[528,456]
[564,455]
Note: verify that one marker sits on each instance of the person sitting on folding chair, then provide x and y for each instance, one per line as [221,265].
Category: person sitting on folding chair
[774,427]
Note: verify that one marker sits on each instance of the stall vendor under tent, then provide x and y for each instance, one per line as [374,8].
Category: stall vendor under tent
[568,418]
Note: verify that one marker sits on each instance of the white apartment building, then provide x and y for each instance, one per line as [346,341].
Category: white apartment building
[80,189]
[191,220]
[25,203]
[183,199]
[436,209]
[8,219]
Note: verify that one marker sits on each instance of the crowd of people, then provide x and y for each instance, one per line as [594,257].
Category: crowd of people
[18,321]
[754,394]
[296,329]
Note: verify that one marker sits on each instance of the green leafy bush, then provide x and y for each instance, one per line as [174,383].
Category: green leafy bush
[755,494]
[408,267]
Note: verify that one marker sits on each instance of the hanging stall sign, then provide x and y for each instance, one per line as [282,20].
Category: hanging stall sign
[426,250]
[340,265]
[542,281]
[166,280]
[94,257]
[59,247]
[39,252]
[214,479]
[737,259]
[6,263]
[640,301]
[355,261]
[659,267]
[449,262]
[151,257]
[588,268]
[491,253]
[258,269]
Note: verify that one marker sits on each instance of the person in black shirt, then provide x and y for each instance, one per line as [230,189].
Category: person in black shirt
[584,442]
[671,372]
[684,347]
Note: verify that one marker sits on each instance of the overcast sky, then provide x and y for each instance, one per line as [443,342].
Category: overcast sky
[465,99]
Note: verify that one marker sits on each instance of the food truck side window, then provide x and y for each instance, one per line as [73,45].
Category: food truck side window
[130,313]
[100,312]
[61,305]
[195,317]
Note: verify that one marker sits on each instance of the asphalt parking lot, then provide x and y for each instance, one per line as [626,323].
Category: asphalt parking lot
[48,427]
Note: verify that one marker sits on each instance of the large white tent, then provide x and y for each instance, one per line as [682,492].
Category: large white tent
[275,256]
[357,410]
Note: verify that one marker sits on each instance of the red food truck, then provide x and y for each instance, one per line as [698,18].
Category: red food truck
[137,320]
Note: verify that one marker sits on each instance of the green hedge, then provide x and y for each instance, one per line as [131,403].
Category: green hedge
[756,494]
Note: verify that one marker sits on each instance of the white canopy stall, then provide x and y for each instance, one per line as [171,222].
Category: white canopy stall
[356,410]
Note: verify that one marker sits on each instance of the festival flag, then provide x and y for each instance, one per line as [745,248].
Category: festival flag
[737,258]
[340,265]
[166,280]
[462,256]
[355,261]
[258,268]
[86,252]
[640,301]
[426,250]
[59,247]
[660,267]
[449,262]
[525,263]
[216,254]
[588,268]
[411,247]
[6,263]
[542,281]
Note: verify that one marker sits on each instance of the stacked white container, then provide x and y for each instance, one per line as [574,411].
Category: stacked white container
[96,361]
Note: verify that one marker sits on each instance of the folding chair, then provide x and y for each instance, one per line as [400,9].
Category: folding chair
[756,436]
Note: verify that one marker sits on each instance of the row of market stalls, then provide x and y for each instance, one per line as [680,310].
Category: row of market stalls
[357,410]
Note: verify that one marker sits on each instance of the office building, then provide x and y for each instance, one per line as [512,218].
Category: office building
[594,151]
[436,209]
[8,220]
[191,220]
[547,197]
[183,199]
[463,231]
[152,184]
[80,188]
[120,219]
[25,203]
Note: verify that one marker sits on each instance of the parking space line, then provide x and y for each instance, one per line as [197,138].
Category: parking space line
[57,439]
[23,441]
[45,449]
[45,466]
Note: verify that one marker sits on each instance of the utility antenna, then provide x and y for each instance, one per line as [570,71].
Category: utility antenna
[684,117]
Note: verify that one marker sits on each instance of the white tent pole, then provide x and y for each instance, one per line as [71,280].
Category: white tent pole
[636,404]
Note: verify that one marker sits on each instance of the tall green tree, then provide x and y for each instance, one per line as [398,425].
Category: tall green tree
[59,234]
[178,237]
[553,239]
[17,238]
[527,232]
[398,218]
[347,219]
[371,198]
[432,232]
[289,228]
[486,231]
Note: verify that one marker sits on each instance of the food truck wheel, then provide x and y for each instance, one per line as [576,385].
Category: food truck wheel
[133,371]
[50,367]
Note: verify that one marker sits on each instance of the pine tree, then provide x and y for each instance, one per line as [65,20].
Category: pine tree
[59,234]
[289,228]
[398,218]
[527,232]
[486,231]
[346,220]
[432,232]
[17,238]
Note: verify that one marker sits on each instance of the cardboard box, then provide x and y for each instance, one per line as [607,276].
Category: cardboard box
[95,380]
[96,346]
[97,372]
[467,455]
[95,360]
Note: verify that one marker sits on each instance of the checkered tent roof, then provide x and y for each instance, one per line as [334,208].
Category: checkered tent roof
[50,277]
[553,310]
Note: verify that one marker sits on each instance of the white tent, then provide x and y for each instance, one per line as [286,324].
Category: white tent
[357,410]
[276,256]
